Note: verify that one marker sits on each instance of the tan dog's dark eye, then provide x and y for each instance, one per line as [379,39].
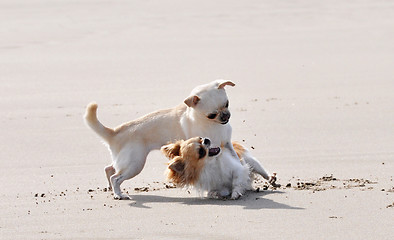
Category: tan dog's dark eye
[212,115]
[202,152]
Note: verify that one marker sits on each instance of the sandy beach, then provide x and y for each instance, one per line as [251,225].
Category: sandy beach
[313,101]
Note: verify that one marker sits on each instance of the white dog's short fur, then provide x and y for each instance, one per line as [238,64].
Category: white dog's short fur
[204,113]
[216,171]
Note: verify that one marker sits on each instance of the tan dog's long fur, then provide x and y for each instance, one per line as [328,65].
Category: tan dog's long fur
[183,153]
[220,174]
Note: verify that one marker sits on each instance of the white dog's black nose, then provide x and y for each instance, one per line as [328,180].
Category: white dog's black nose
[225,117]
[206,141]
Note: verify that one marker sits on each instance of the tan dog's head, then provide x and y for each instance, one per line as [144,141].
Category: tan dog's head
[210,101]
[187,159]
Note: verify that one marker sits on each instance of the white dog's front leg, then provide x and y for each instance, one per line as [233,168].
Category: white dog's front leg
[240,182]
[237,192]
[230,147]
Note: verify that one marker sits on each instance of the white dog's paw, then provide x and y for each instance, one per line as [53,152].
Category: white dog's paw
[235,195]
[121,196]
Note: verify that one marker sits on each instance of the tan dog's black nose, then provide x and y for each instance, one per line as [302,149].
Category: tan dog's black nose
[206,141]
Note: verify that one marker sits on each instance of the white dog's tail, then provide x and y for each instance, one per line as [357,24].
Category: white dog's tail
[92,121]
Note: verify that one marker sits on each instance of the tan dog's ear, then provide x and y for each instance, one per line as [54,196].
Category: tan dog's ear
[171,150]
[192,101]
[223,83]
[177,165]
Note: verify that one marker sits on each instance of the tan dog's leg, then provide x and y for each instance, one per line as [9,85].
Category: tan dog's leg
[257,167]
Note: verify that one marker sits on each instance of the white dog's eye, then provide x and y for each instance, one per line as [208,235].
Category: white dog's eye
[227,104]
[212,115]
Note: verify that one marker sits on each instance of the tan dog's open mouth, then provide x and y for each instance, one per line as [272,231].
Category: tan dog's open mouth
[213,151]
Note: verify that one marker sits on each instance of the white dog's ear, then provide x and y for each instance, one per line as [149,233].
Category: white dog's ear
[177,165]
[223,83]
[192,101]
[171,150]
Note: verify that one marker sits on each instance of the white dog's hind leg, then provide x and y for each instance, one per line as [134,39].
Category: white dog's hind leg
[116,180]
[109,171]
[127,165]
[119,178]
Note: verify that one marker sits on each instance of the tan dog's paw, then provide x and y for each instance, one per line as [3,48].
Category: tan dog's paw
[272,181]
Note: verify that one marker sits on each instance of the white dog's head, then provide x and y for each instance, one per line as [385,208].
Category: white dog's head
[210,101]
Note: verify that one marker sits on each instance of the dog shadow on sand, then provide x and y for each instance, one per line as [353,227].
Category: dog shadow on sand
[251,200]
